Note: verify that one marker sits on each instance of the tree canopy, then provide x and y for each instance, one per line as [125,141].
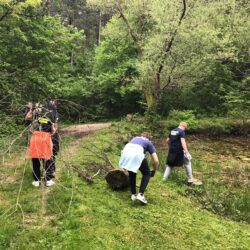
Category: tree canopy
[117,57]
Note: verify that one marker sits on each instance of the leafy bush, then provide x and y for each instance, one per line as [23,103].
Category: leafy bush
[8,125]
[213,126]
[176,116]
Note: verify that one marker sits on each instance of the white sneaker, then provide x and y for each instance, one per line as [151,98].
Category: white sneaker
[50,183]
[133,197]
[140,197]
[194,181]
[36,183]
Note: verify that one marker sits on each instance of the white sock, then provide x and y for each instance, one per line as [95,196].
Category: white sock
[167,172]
[188,167]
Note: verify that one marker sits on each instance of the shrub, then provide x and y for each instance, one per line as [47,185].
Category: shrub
[214,126]
[176,116]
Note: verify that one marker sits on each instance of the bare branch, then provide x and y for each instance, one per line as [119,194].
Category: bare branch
[131,31]
[170,75]
[168,44]
[5,14]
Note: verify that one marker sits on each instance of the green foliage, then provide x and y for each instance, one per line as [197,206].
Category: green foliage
[113,73]
[212,126]
[176,116]
[8,125]
[40,59]
[16,8]
[238,99]
[207,60]
[146,55]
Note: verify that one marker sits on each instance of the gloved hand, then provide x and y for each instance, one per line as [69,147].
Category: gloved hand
[152,173]
[188,156]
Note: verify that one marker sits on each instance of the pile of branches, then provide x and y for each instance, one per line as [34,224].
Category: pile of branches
[100,164]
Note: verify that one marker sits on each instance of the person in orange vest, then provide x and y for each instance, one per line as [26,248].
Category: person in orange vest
[41,150]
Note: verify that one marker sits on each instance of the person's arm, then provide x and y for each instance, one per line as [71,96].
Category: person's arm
[28,115]
[156,162]
[53,129]
[184,145]
[185,149]
[168,141]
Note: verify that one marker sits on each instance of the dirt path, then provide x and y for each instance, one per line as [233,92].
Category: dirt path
[14,165]
[82,129]
[77,131]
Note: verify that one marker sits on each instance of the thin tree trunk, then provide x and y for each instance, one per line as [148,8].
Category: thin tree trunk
[100,28]
[72,57]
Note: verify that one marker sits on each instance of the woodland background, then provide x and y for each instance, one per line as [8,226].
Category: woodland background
[103,60]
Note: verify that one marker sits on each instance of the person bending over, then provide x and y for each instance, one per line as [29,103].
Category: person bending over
[133,158]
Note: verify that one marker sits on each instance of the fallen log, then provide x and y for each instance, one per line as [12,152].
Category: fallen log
[117,179]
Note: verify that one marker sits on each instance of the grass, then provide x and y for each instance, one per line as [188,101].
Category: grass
[77,215]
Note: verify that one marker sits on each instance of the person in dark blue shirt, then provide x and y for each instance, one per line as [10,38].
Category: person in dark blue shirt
[178,153]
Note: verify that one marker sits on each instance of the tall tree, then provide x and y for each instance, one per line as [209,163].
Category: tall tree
[176,41]
[16,7]
[35,57]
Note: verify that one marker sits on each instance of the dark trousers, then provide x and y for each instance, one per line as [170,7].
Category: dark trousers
[144,168]
[52,165]
[49,169]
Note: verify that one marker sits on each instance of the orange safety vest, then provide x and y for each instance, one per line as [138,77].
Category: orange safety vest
[41,145]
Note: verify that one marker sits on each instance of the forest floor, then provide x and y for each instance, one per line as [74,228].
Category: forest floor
[76,215]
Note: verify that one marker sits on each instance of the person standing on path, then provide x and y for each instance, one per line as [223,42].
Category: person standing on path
[178,153]
[41,149]
[133,158]
[53,116]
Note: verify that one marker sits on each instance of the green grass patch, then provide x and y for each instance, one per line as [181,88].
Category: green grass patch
[77,215]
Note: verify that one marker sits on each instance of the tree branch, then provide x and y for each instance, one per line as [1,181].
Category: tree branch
[5,14]
[170,75]
[131,31]
[168,44]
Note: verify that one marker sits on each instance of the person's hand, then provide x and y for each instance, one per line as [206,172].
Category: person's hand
[152,173]
[188,156]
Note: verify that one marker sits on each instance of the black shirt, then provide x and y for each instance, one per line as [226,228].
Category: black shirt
[44,124]
[175,139]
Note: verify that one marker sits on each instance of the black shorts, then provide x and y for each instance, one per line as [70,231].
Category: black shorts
[175,158]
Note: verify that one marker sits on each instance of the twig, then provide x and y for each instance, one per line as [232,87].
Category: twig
[98,154]
[72,194]
[96,173]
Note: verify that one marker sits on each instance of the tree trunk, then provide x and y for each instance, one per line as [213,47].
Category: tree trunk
[99,28]
[152,91]
[117,179]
